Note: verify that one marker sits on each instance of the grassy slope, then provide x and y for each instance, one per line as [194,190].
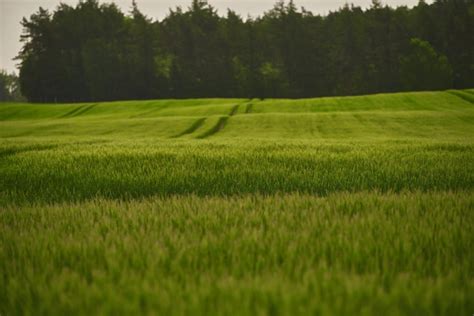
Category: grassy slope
[211,206]
[429,115]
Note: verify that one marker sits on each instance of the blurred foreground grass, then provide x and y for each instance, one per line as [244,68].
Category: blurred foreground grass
[362,253]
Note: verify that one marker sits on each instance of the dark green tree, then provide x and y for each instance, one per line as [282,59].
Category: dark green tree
[424,69]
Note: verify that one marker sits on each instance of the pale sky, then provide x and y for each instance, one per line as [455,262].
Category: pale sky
[12,11]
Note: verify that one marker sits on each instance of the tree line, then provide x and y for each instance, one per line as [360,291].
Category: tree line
[94,52]
[10,87]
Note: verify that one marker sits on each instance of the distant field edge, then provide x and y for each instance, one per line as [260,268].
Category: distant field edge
[249,101]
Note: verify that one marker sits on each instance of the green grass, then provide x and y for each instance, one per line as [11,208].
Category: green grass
[55,172]
[295,254]
[354,205]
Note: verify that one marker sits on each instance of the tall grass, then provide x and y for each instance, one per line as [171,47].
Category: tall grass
[366,253]
[339,206]
[72,172]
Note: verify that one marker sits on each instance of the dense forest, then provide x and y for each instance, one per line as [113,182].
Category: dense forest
[96,52]
[9,87]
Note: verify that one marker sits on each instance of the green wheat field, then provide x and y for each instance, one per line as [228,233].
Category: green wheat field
[330,206]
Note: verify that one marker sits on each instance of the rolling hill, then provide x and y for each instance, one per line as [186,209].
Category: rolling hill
[347,205]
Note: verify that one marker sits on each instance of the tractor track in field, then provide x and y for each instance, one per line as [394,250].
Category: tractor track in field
[465,95]
[79,111]
[212,131]
[216,128]
[221,123]
[249,108]
[194,127]
[234,110]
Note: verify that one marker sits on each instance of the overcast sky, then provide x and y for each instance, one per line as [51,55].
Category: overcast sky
[12,11]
